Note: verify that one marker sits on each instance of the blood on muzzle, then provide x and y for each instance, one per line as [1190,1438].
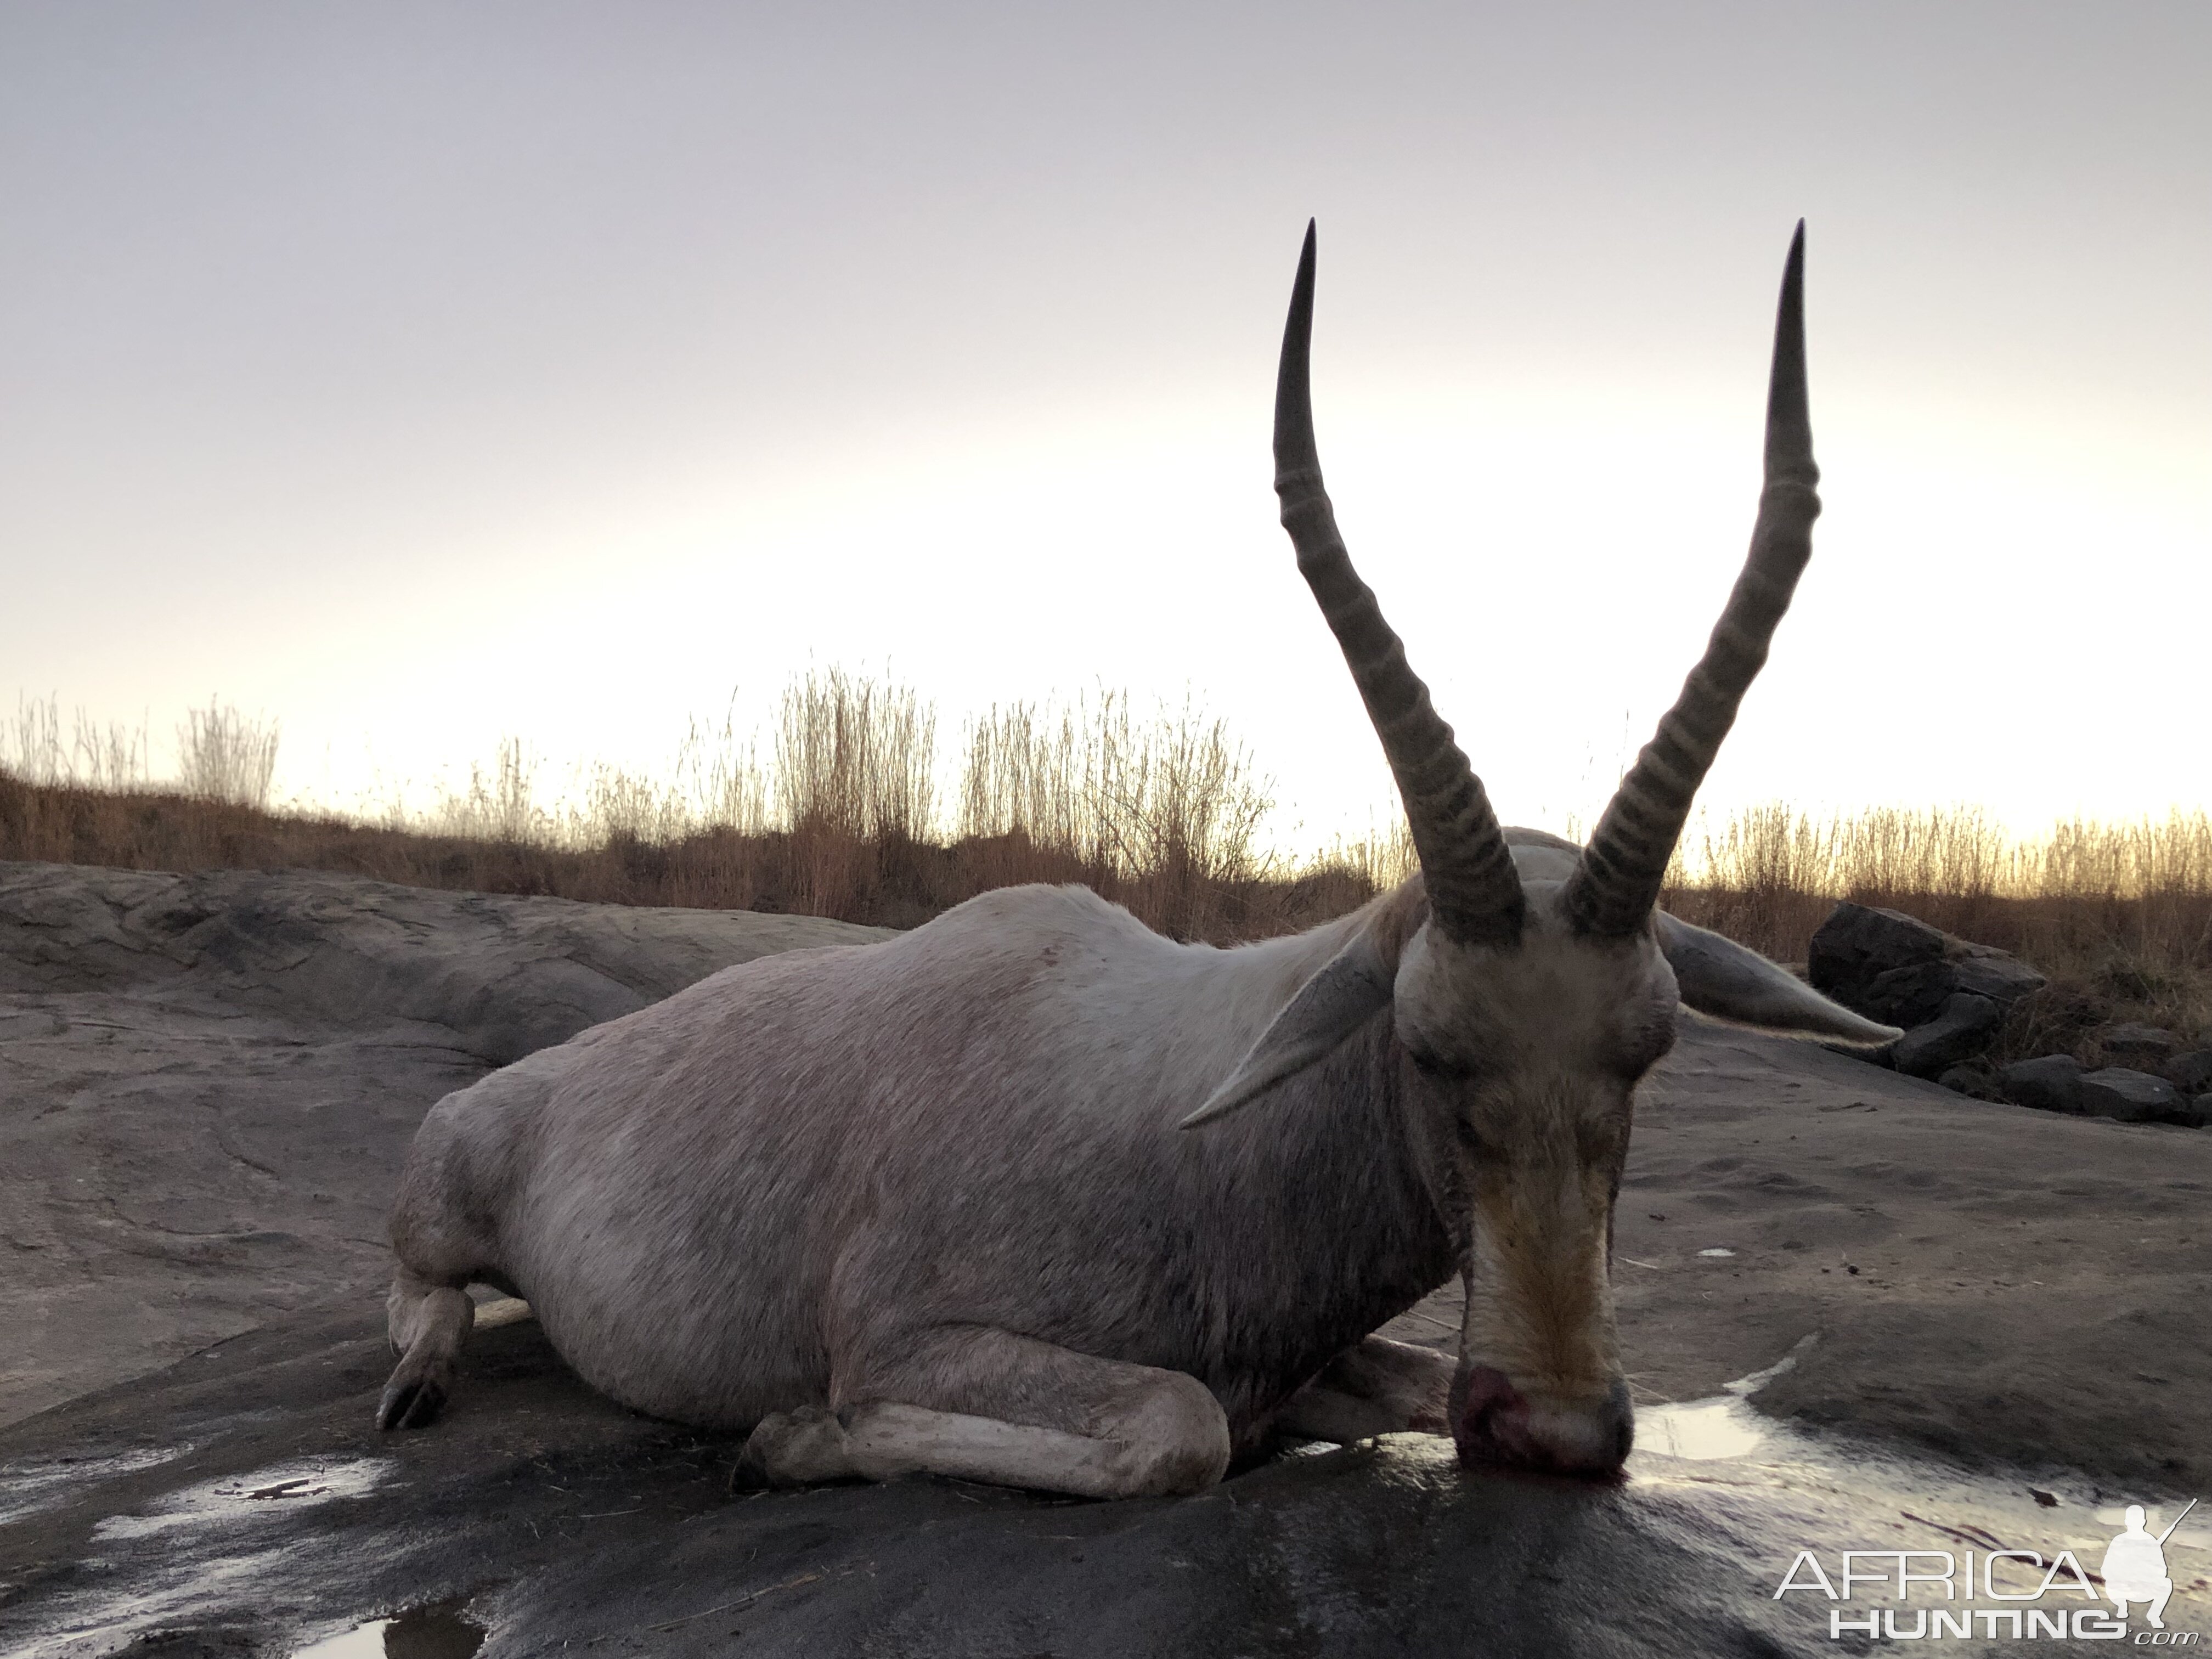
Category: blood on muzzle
[1496,1426]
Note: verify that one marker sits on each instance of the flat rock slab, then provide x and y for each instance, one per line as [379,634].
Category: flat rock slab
[241,1505]
[207,1084]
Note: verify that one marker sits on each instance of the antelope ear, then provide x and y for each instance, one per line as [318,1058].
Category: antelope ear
[1352,986]
[1718,976]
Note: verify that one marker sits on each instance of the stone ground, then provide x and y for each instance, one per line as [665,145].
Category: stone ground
[206,1085]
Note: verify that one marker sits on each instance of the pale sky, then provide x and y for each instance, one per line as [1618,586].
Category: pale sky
[418,375]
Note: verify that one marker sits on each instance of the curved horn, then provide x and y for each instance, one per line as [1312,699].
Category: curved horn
[1474,890]
[1616,883]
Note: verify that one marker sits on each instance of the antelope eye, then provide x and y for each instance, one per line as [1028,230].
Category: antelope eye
[1468,1136]
[1423,1062]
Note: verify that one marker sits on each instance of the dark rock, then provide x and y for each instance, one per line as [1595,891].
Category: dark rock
[1915,993]
[1971,1078]
[1910,995]
[2191,1073]
[2003,978]
[1963,1029]
[565,1522]
[1859,942]
[2131,1097]
[2132,1042]
[1949,994]
[2051,1083]
[2197,1114]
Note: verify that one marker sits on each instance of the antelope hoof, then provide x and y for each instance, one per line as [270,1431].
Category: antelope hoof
[415,1395]
[799,1448]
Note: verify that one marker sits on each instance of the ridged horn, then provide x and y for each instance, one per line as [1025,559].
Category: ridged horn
[1473,891]
[1615,885]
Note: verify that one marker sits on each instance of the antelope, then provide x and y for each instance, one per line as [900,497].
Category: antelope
[1033,1196]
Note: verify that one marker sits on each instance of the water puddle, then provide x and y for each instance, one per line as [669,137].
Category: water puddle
[432,1632]
[1984,1543]
[1700,1430]
[278,1489]
[1722,1426]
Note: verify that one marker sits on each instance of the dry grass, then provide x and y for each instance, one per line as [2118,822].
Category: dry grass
[2118,915]
[1160,814]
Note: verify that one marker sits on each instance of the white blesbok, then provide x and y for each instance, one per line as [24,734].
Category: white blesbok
[973,1200]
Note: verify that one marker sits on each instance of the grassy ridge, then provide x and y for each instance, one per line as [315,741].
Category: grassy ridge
[844,819]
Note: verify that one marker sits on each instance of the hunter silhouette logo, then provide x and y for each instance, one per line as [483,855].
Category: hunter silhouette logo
[2025,1596]
[2135,1567]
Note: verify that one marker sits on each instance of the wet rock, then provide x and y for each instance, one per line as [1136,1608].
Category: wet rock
[224,1098]
[2131,1097]
[563,1521]
[2051,1083]
[2126,1042]
[1964,1029]
[2191,1073]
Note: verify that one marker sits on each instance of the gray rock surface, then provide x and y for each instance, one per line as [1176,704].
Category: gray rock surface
[206,1082]
[197,1143]
[2051,1083]
[238,1504]
[2129,1096]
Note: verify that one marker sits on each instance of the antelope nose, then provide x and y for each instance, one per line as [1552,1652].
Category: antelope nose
[1499,1426]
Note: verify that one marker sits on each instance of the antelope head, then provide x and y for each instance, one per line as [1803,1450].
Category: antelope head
[1542,981]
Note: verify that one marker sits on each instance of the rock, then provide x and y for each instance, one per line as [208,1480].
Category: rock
[558,1518]
[239,1127]
[1914,994]
[1897,969]
[1996,974]
[2197,1114]
[2131,1097]
[234,1063]
[2191,1073]
[1973,1079]
[2128,1042]
[1908,996]
[1963,1029]
[2051,1083]
[1859,942]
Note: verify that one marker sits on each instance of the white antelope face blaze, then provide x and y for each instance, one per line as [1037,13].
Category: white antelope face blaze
[1524,1060]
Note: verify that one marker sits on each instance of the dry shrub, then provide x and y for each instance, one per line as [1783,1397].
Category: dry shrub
[1162,816]
[226,756]
[112,756]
